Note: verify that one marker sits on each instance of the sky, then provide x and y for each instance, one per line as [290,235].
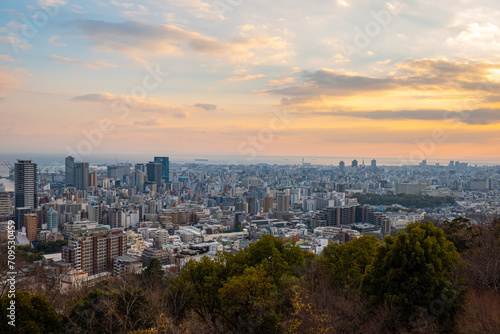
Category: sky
[407,79]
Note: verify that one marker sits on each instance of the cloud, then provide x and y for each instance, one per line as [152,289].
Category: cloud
[247,77]
[342,3]
[99,97]
[198,8]
[482,36]
[55,40]
[326,82]
[473,117]
[137,39]
[418,75]
[15,42]
[281,82]
[52,3]
[151,122]
[7,58]
[206,106]
[128,102]
[97,64]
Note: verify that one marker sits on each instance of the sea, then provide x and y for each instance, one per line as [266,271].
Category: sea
[55,162]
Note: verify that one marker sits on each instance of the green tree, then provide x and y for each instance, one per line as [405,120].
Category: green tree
[276,256]
[412,272]
[347,263]
[33,314]
[249,302]
[154,268]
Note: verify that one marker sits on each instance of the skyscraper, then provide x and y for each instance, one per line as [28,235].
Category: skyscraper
[70,171]
[25,184]
[373,164]
[268,203]
[342,166]
[354,163]
[283,203]
[81,175]
[154,172]
[93,179]
[165,167]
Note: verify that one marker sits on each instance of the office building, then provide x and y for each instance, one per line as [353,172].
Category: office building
[354,163]
[93,180]
[154,172]
[117,172]
[19,216]
[268,203]
[165,168]
[95,213]
[5,207]
[373,164]
[283,203]
[140,167]
[82,175]
[26,184]
[70,171]
[94,250]
[139,180]
[342,166]
[52,220]
[31,224]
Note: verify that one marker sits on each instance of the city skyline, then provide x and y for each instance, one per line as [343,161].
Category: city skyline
[383,79]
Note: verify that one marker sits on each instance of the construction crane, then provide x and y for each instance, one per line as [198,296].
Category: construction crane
[11,169]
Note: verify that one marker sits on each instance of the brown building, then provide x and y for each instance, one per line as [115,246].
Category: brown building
[94,250]
[268,204]
[31,224]
[283,203]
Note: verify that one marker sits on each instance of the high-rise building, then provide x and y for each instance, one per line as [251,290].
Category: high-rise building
[165,168]
[93,250]
[252,205]
[52,220]
[95,213]
[268,203]
[283,203]
[26,184]
[93,179]
[354,163]
[19,216]
[118,172]
[70,171]
[82,175]
[373,164]
[5,207]
[140,167]
[31,224]
[154,172]
[139,180]
[342,166]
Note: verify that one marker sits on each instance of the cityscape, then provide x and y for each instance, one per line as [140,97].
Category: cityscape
[249,167]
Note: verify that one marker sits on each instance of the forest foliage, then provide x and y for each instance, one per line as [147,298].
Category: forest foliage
[424,279]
